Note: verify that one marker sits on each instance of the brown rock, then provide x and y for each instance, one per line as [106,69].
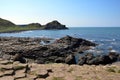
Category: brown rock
[42,73]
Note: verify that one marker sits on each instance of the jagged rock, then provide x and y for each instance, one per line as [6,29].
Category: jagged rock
[70,59]
[59,60]
[55,25]
[75,42]
[19,57]
[113,56]
[82,60]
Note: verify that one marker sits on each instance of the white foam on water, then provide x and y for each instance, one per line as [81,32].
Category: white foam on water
[113,51]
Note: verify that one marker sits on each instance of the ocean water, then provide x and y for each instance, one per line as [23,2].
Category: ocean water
[106,37]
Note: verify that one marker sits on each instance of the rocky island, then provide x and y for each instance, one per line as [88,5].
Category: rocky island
[8,26]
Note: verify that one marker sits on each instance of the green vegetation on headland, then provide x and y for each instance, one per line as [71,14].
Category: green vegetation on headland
[7,26]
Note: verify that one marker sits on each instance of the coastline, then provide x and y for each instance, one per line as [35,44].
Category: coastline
[48,50]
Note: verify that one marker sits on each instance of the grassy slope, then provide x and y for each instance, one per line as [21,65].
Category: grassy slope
[18,28]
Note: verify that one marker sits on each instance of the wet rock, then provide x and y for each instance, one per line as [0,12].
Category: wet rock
[89,56]
[113,56]
[19,57]
[59,60]
[70,59]
[63,48]
[75,42]
[82,60]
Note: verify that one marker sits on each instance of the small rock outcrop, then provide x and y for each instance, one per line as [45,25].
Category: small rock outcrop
[54,25]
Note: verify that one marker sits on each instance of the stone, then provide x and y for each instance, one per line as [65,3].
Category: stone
[59,60]
[113,56]
[5,62]
[7,78]
[42,73]
[7,73]
[19,57]
[70,59]
[82,60]
[19,75]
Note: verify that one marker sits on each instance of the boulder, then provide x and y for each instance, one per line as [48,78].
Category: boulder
[19,57]
[113,56]
[75,42]
[59,60]
[42,73]
[70,59]
[82,60]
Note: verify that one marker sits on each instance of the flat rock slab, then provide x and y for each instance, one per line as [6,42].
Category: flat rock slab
[7,78]
[42,73]
[5,62]
[19,75]
[6,73]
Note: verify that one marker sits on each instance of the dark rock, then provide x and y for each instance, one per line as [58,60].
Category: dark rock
[40,61]
[55,25]
[70,59]
[119,57]
[62,50]
[75,42]
[89,56]
[82,60]
[59,60]
[113,56]
[19,57]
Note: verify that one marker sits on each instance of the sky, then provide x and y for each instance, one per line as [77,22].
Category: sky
[72,13]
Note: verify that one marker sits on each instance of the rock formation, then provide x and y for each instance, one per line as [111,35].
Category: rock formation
[54,25]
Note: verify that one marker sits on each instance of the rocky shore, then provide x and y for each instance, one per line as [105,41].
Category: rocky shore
[50,59]
[10,70]
[67,50]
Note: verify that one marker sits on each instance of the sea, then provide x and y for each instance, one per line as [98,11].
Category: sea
[107,38]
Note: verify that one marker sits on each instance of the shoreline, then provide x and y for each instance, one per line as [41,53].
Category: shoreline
[48,50]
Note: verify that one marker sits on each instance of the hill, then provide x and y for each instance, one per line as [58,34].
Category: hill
[8,26]
[5,23]
[55,25]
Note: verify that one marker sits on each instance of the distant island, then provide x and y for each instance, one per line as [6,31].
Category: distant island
[8,26]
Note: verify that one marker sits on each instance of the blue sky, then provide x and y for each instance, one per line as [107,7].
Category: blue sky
[78,13]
